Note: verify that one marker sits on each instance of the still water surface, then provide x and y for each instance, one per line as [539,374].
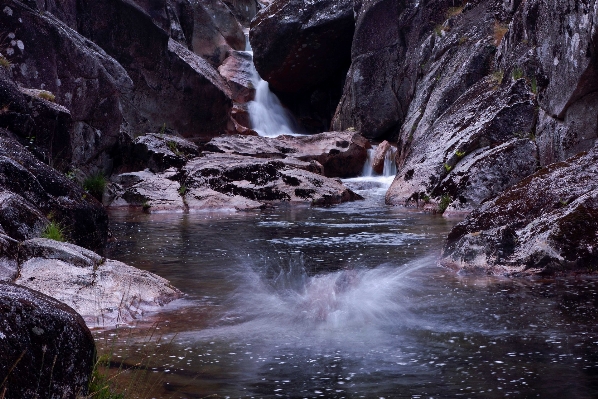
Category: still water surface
[345,302]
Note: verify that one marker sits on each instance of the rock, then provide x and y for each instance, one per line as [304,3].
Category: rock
[103,291]
[33,193]
[90,89]
[430,155]
[154,192]
[9,250]
[238,71]
[46,350]
[244,10]
[554,46]
[158,152]
[342,154]
[260,180]
[213,32]
[380,156]
[303,50]
[545,224]
[172,85]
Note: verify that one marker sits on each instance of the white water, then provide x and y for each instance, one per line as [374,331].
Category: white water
[268,117]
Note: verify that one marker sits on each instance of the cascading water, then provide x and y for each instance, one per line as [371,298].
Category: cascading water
[371,181]
[268,117]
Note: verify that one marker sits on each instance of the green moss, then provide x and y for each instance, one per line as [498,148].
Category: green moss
[4,63]
[54,231]
[95,185]
[445,201]
[46,95]
[447,167]
[517,73]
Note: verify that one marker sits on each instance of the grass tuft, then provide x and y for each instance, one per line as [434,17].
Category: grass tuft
[54,231]
[95,185]
[445,201]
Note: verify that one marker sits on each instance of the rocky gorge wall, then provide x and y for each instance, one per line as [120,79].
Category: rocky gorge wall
[477,95]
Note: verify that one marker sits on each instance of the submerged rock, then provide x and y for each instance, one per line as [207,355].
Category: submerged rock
[105,292]
[546,224]
[46,350]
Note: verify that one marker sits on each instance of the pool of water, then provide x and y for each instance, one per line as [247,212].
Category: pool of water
[343,302]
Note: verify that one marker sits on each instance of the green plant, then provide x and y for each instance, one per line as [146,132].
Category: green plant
[425,198]
[54,231]
[163,129]
[71,175]
[534,85]
[447,167]
[445,201]
[517,73]
[182,190]
[145,206]
[95,185]
[5,63]
[100,385]
[439,29]
[351,129]
[498,76]
[46,95]
[460,154]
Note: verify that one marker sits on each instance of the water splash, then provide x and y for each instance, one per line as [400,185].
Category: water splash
[390,167]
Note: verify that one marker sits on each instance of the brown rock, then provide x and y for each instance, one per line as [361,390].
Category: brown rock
[379,156]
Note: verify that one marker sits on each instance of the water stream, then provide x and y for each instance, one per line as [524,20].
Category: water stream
[345,302]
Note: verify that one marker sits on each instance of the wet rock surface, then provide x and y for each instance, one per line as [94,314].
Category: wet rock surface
[33,194]
[303,50]
[46,350]
[546,224]
[247,172]
[103,291]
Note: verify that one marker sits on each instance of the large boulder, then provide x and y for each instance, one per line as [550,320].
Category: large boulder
[32,194]
[68,69]
[302,49]
[173,86]
[46,350]
[105,292]
[261,180]
[477,148]
[554,45]
[546,224]
[342,154]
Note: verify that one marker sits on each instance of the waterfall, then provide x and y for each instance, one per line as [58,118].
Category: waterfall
[390,167]
[268,117]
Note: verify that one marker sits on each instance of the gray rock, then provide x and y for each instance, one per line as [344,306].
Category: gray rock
[546,224]
[46,350]
[105,292]
[42,58]
[158,152]
[341,154]
[9,251]
[439,159]
[238,71]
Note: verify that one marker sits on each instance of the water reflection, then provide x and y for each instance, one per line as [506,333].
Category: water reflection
[349,302]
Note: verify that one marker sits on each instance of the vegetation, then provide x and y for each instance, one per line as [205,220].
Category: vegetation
[500,30]
[46,95]
[445,201]
[448,167]
[182,190]
[54,231]
[460,154]
[497,77]
[454,11]
[145,206]
[95,185]
[5,63]
[534,85]
[517,73]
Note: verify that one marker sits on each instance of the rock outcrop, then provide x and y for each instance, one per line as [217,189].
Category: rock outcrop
[242,173]
[32,194]
[546,224]
[105,292]
[303,51]
[46,350]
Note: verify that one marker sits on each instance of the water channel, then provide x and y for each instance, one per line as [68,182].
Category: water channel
[344,302]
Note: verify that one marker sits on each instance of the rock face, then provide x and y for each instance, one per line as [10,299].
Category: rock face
[73,72]
[105,292]
[198,98]
[244,173]
[342,154]
[46,350]
[546,224]
[303,50]
[32,194]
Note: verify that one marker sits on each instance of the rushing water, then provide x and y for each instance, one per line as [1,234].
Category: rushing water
[345,302]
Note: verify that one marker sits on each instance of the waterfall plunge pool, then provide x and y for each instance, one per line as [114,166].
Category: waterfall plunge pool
[343,302]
